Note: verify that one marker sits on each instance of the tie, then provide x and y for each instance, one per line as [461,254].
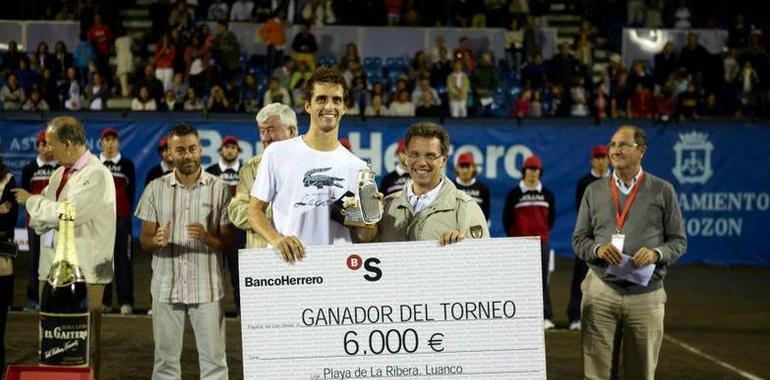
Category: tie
[63,182]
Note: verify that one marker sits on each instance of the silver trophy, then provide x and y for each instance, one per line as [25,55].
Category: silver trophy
[365,208]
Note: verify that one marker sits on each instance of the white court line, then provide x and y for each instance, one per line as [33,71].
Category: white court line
[702,354]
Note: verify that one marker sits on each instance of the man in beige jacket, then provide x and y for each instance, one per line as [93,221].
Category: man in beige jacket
[276,122]
[430,207]
[84,181]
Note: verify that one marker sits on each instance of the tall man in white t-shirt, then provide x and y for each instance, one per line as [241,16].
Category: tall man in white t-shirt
[305,175]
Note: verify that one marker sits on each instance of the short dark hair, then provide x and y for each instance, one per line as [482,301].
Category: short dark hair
[325,75]
[429,129]
[68,128]
[640,137]
[180,130]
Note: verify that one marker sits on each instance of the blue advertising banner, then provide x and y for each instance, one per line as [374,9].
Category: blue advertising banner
[720,172]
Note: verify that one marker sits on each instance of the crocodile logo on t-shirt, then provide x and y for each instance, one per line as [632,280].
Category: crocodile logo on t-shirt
[319,180]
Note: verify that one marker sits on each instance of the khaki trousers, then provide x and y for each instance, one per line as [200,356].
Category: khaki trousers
[612,321]
[95,294]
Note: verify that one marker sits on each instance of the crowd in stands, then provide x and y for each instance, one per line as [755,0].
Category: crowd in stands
[182,65]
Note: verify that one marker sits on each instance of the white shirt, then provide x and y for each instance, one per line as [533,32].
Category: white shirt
[224,166]
[114,159]
[302,183]
[420,202]
[622,186]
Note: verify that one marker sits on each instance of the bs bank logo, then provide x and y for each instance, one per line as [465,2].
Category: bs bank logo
[693,158]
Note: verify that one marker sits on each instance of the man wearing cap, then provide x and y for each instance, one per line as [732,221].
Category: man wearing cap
[394,181]
[34,178]
[530,210]
[124,177]
[276,122]
[468,182]
[631,218]
[227,170]
[599,170]
[88,185]
[166,164]
[430,207]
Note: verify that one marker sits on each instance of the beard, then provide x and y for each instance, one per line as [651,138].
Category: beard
[188,167]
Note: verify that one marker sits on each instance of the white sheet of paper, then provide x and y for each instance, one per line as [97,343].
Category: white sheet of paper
[47,239]
[628,272]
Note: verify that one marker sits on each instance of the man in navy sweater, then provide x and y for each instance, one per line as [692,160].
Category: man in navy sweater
[530,210]
[124,176]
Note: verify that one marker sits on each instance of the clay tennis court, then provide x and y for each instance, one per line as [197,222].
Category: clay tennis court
[717,327]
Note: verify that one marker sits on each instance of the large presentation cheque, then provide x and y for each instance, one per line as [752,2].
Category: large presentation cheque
[472,310]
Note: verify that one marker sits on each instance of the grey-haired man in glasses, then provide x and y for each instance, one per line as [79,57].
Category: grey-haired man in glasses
[629,230]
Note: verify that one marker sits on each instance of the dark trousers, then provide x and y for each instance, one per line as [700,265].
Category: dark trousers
[576,295]
[34,262]
[231,259]
[545,255]
[124,272]
[6,297]
[274,59]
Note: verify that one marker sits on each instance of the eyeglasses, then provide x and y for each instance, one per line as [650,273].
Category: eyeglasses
[413,156]
[622,145]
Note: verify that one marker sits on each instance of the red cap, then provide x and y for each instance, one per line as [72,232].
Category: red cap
[163,144]
[533,162]
[466,159]
[345,142]
[401,146]
[599,151]
[229,139]
[41,136]
[109,132]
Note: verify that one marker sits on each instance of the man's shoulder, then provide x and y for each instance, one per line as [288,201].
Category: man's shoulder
[252,162]
[657,183]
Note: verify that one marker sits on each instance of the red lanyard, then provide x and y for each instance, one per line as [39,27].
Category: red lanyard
[620,218]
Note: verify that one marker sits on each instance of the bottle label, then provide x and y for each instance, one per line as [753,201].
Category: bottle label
[64,339]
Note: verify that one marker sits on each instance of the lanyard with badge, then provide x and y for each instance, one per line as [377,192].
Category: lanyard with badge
[618,238]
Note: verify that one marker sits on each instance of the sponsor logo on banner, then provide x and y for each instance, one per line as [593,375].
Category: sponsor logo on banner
[374,273]
[693,158]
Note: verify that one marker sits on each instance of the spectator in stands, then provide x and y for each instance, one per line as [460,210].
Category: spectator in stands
[642,103]
[730,66]
[196,59]
[192,101]
[402,106]
[688,104]
[419,67]
[640,75]
[179,86]
[299,77]
[514,46]
[170,102]
[484,81]
[34,64]
[275,93]
[44,58]
[263,9]
[378,90]
[376,107]
[218,102]
[522,106]
[11,94]
[97,93]
[664,106]
[693,56]
[125,60]
[226,44]
[165,53]
[400,86]
[305,47]
[35,103]
[250,94]
[11,59]
[351,54]
[440,69]
[562,66]
[584,51]
[601,102]
[536,105]
[285,72]
[49,89]
[61,59]
[241,10]
[273,33]
[393,10]
[458,86]
[665,63]
[69,91]
[319,13]
[536,71]
[635,11]
[578,97]
[425,98]
[682,16]
[27,77]
[218,10]
[558,101]
[358,92]
[621,97]
[464,54]
[738,32]
[84,58]
[100,37]
[748,82]
[232,90]
[149,81]
[710,106]
[532,38]
[181,21]
[144,102]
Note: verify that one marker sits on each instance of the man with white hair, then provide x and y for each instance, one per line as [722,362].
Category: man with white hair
[276,122]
